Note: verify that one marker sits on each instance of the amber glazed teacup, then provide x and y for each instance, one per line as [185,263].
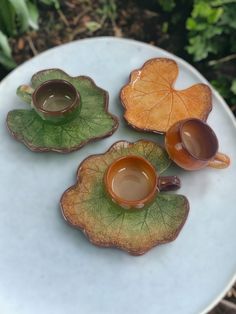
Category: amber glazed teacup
[56,101]
[132,182]
[192,145]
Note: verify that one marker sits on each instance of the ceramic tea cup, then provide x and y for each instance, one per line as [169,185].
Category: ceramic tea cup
[132,182]
[192,145]
[56,101]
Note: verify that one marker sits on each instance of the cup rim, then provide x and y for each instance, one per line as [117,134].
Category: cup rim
[211,132]
[73,105]
[134,203]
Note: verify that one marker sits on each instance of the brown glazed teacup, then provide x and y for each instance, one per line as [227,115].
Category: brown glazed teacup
[192,145]
[56,101]
[132,182]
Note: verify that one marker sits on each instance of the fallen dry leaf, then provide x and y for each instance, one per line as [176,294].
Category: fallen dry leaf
[152,104]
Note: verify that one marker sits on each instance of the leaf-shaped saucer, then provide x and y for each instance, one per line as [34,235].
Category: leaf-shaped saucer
[152,104]
[87,206]
[93,122]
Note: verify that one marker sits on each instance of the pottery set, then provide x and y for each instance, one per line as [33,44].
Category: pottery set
[67,113]
[119,197]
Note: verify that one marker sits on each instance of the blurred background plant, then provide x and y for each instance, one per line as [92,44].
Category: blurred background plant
[16,17]
[200,31]
[211,32]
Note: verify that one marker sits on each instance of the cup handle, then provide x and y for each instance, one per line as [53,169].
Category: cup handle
[169,183]
[25,93]
[220,161]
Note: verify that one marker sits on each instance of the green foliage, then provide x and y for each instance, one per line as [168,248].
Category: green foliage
[16,17]
[167,5]
[107,10]
[233,87]
[211,28]
[211,32]
[227,88]
[93,26]
[5,53]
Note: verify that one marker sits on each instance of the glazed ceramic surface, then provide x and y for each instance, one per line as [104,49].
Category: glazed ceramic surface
[152,101]
[87,205]
[69,130]
[132,181]
[48,267]
[56,101]
[193,145]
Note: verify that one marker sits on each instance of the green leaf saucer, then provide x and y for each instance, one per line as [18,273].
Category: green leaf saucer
[93,122]
[87,206]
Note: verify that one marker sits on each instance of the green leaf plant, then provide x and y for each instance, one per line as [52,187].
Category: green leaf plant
[16,17]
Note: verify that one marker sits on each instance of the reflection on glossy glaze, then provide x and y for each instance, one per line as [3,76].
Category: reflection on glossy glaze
[192,145]
[198,139]
[56,102]
[130,183]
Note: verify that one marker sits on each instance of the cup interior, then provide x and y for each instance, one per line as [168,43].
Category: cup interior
[199,139]
[131,179]
[55,96]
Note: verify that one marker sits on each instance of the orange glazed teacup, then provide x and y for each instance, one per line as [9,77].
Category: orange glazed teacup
[192,145]
[132,182]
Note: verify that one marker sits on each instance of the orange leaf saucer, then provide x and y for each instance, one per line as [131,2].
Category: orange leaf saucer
[153,104]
